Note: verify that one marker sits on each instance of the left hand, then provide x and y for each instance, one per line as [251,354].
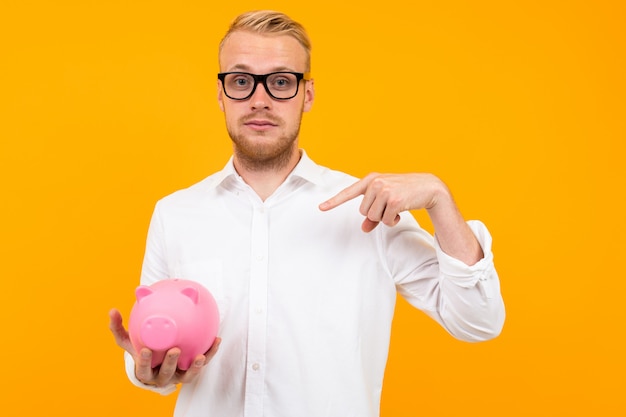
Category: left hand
[165,374]
[385,196]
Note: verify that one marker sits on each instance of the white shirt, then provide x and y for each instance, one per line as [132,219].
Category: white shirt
[306,298]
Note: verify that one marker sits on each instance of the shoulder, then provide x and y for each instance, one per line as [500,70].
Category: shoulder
[322,176]
[336,179]
[192,195]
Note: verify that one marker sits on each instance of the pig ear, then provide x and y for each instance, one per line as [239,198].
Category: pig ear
[192,293]
[142,291]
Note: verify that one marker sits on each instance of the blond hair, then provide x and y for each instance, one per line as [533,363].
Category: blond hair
[269,22]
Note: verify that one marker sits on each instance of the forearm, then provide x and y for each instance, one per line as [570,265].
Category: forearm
[453,234]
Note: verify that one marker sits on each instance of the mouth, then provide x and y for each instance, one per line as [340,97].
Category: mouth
[260,124]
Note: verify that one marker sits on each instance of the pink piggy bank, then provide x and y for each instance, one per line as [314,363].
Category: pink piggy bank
[173,313]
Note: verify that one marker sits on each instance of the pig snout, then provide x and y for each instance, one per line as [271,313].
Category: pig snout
[158,332]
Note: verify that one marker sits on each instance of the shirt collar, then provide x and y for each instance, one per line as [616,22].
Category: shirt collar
[306,169]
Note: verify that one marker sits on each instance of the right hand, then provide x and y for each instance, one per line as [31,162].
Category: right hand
[165,374]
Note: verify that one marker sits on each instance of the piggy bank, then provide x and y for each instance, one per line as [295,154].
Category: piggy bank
[173,313]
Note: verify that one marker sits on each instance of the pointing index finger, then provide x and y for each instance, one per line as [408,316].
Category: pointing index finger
[347,194]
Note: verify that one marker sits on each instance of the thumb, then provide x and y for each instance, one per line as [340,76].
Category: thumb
[120,333]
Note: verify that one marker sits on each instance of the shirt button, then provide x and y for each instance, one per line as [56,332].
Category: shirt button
[259,257]
[255,366]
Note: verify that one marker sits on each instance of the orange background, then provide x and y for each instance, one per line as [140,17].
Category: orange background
[519,106]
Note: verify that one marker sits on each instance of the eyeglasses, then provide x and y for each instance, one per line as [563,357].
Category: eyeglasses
[282,85]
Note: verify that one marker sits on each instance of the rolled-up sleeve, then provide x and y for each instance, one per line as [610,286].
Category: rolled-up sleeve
[465,299]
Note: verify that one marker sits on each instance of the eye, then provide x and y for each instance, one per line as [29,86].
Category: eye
[282,81]
[239,81]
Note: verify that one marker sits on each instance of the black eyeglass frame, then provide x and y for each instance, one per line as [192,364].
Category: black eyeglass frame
[262,79]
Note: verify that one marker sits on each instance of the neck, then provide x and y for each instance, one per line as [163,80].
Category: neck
[265,177]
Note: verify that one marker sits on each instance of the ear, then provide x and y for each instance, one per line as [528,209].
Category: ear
[309,94]
[220,95]
[142,291]
[192,293]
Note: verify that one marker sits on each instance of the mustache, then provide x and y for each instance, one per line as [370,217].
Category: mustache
[265,116]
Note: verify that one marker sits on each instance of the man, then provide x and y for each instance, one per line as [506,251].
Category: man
[304,274]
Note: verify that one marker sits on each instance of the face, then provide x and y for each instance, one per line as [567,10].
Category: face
[264,131]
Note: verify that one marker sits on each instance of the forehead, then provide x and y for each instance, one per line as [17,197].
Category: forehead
[261,54]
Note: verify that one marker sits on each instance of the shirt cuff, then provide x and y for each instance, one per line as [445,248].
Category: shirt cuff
[467,275]
[130,372]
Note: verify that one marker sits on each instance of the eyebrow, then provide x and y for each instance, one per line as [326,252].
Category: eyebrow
[246,68]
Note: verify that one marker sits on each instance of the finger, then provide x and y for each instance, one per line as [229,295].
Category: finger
[381,204]
[115,322]
[211,352]
[190,374]
[193,371]
[347,194]
[200,361]
[143,367]
[168,367]
[119,332]
[390,216]
[368,225]
[374,203]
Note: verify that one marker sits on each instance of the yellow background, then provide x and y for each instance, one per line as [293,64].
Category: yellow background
[518,105]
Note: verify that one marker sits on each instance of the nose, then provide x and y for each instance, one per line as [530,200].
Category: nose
[260,98]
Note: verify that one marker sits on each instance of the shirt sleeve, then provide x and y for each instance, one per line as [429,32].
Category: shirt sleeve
[464,299]
[154,268]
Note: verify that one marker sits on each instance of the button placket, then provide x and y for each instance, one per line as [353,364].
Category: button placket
[257,312]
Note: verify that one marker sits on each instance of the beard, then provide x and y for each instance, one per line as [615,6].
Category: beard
[258,152]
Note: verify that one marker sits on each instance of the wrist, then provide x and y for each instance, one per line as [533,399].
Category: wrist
[441,197]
